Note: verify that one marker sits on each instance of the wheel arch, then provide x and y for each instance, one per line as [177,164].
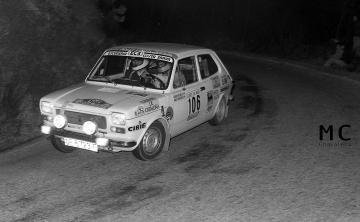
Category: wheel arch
[221,96]
[166,127]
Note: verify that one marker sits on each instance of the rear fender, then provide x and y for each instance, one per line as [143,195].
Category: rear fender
[222,95]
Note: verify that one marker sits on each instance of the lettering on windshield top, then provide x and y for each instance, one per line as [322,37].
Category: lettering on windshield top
[150,56]
[117,53]
[165,58]
[139,53]
[136,53]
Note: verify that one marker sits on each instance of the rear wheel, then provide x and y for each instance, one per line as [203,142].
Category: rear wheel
[220,113]
[59,145]
[152,143]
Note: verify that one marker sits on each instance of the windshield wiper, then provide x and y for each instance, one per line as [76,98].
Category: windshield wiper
[110,80]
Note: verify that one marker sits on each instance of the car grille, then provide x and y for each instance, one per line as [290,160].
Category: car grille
[81,118]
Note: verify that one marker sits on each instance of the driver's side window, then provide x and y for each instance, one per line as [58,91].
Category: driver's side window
[185,73]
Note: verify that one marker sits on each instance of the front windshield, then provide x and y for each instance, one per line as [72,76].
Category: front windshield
[134,71]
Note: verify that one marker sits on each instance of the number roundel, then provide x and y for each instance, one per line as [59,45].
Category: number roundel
[194,104]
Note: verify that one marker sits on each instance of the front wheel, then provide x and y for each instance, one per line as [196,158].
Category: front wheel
[59,145]
[152,143]
[220,113]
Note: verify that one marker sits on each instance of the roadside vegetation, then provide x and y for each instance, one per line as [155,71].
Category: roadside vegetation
[45,45]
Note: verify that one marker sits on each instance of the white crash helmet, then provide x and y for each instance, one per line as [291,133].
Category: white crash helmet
[144,63]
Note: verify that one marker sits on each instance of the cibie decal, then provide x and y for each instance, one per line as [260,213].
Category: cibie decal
[143,110]
[137,127]
[215,81]
[179,96]
[93,102]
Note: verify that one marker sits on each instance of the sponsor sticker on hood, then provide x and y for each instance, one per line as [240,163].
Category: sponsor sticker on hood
[93,102]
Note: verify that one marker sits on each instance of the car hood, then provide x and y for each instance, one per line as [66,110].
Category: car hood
[100,99]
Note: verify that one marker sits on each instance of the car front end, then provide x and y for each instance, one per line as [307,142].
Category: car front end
[99,122]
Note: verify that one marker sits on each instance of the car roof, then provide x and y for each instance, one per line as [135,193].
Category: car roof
[174,49]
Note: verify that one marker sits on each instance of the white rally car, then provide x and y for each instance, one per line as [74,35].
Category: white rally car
[137,97]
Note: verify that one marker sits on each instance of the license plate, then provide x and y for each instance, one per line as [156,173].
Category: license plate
[80,144]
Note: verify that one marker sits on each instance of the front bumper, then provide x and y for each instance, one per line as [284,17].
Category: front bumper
[112,145]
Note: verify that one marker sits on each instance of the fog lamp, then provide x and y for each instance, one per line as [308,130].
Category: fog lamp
[45,129]
[59,121]
[102,141]
[89,127]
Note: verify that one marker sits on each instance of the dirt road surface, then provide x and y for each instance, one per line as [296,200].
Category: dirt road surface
[265,163]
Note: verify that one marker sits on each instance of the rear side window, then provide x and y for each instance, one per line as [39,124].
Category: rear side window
[185,72]
[207,66]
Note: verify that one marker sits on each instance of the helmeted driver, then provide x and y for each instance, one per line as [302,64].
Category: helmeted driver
[138,68]
[162,74]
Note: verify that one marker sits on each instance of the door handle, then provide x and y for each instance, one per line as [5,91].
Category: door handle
[202,88]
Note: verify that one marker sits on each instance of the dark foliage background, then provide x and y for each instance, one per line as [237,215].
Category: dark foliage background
[46,45]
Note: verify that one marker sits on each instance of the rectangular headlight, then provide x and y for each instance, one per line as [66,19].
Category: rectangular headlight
[46,107]
[118,118]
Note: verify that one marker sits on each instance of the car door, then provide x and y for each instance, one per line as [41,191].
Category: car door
[189,96]
[209,72]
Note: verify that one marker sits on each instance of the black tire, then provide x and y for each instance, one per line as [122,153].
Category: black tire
[59,145]
[220,113]
[154,132]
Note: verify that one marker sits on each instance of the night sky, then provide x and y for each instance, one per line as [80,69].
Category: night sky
[257,24]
